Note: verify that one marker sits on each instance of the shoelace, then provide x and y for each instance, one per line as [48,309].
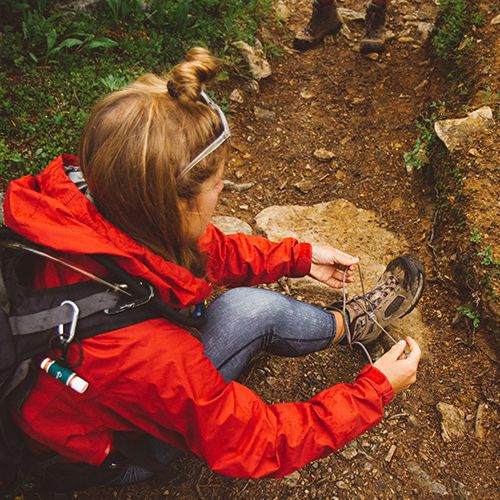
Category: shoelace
[370,315]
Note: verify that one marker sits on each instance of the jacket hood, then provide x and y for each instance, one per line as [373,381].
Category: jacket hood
[50,210]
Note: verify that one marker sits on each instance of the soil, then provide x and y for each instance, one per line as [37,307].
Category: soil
[363,111]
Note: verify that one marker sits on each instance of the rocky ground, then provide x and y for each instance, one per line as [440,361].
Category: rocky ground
[327,131]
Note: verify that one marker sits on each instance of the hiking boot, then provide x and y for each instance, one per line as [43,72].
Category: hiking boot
[375,22]
[324,21]
[396,294]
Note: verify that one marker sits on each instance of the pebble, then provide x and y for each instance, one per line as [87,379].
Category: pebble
[264,114]
[496,20]
[452,422]
[342,485]
[233,186]
[323,154]
[368,467]
[349,453]
[374,56]
[244,207]
[424,481]
[236,96]
[479,424]
[459,491]
[292,480]
[257,62]
[406,39]
[390,453]
[305,94]
[304,186]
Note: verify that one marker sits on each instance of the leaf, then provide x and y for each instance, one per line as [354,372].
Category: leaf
[104,42]
[69,42]
[51,39]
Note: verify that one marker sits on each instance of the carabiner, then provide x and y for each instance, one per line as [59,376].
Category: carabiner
[72,328]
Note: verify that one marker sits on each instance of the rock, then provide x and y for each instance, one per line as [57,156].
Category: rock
[231,225]
[458,490]
[424,481]
[304,186]
[425,31]
[458,131]
[305,94]
[233,186]
[479,423]
[349,453]
[264,114]
[254,56]
[292,480]
[343,485]
[390,453]
[389,35]
[236,96]
[322,154]
[373,56]
[346,32]
[282,11]
[496,19]
[253,86]
[452,422]
[353,230]
[421,85]
[350,15]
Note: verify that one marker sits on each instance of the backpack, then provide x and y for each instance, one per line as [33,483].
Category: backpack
[35,321]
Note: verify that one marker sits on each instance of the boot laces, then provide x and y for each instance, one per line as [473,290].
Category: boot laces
[368,309]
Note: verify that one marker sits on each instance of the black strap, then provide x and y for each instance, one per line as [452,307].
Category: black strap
[141,289]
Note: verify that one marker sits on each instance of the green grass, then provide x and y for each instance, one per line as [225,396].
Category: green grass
[55,64]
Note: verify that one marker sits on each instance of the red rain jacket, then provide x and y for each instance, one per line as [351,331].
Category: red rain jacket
[153,377]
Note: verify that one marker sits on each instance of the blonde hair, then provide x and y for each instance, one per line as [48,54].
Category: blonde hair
[136,142]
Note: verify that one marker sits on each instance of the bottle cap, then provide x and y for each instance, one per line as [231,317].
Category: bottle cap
[78,384]
[44,363]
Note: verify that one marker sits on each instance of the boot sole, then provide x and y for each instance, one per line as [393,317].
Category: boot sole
[412,267]
[304,45]
[368,46]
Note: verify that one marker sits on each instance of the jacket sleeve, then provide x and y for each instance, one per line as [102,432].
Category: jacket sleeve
[243,260]
[228,425]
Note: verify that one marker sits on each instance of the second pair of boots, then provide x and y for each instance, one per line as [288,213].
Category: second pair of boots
[325,20]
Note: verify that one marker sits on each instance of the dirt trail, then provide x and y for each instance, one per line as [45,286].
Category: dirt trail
[363,111]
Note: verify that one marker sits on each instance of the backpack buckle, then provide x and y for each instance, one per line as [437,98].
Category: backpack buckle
[135,303]
[63,338]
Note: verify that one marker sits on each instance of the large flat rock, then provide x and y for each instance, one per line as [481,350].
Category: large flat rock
[348,228]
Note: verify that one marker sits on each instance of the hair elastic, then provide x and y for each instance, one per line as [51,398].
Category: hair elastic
[172,90]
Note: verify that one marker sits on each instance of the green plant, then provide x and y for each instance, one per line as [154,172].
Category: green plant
[489,97]
[417,157]
[477,19]
[487,258]
[471,314]
[476,236]
[124,10]
[450,28]
[112,82]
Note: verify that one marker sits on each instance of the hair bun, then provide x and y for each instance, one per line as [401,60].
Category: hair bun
[186,79]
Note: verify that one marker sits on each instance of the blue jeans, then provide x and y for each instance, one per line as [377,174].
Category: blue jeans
[240,323]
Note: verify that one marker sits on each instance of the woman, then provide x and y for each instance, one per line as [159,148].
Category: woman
[144,188]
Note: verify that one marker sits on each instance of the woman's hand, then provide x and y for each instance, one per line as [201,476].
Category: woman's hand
[401,371]
[328,265]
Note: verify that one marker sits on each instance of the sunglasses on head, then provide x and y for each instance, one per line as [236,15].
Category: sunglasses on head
[223,137]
